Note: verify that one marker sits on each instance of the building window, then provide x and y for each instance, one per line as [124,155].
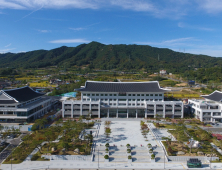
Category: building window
[138,104]
[134,95]
[129,99]
[122,99]
[122,94]
[84,94]
[142,104]
[93,94]
[151,99]
[101,94]
[110,99]
[129,104]
[160,95]
[147,94]
[114,99]
[84,99]
[88,94]
[156,94]
[133,104]
[106,99]
[138,99]
[114,104]
[129,94]
[142,94]
[88,99]
[138,94]
[97,94]
[110,94]
[114,94]
[142,99]
[110,104]
[151,94]
[156,99]
[106,94]
[134,99]
[147,100]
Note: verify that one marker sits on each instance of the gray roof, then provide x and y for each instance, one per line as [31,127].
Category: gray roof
[122,87]
[215,96]
[23,94]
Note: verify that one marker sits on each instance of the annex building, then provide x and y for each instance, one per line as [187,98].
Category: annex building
[22,105]
[122,100]
[209,109]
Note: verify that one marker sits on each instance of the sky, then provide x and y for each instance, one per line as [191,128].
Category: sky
[190,26]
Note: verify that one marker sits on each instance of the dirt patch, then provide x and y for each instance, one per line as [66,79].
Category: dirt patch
[181,84]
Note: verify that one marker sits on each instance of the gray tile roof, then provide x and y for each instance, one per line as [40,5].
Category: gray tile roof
[7,101]
[215,96]
[23,94]
[96,86]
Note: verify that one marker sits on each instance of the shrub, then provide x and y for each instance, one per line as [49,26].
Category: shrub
[170,150]
[107,145]
[129,157]
[152,156]
[106,156]
[151,151]
[128,145]
[34,157]
[128,150]
[107,149]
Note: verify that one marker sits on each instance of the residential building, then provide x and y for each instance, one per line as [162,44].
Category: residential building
[122,100]
[209,109]
[22,105]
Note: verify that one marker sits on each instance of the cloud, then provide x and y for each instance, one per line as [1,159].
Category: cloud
[83,28]
[133,5]
[10,4]
[77,29]
[67,41]
[169,43]
[210,6]
[53,4]
[160,8]
[183,25]
[6,50]
[44,31]
[8,45]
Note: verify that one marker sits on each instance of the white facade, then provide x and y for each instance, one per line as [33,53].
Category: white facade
[126,105]
[206,110]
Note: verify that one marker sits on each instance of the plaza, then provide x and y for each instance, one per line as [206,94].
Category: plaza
[123,131]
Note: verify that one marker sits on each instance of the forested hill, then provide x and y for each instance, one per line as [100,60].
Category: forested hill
[120,57]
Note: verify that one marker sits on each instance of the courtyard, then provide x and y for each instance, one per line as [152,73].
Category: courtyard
[127,132]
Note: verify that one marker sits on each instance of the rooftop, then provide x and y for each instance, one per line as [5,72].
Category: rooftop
[215,96]
[19,95]
[122,87]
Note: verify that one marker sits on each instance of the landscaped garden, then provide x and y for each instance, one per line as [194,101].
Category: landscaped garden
[60,139]
[184,146]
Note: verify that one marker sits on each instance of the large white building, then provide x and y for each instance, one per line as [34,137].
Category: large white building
[209,109]
[122,100]
[22,105]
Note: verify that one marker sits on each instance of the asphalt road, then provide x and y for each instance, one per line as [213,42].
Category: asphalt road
[13,144]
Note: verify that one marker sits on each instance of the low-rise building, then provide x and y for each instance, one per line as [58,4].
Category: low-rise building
[22,105]
[209,109]
[122,99]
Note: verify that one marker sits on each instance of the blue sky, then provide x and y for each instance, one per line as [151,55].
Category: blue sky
[192,26]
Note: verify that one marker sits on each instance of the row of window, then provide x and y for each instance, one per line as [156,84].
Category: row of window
[93,99]
[84,94]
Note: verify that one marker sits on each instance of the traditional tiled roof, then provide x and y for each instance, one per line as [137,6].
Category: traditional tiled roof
[22,94]
[215,96]
[96,86]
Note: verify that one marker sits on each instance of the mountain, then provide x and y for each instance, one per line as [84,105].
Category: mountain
[120,57]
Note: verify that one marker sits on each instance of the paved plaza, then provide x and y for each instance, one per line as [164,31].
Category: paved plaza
[123,132]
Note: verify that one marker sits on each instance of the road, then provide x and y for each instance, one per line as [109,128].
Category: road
[13,144]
